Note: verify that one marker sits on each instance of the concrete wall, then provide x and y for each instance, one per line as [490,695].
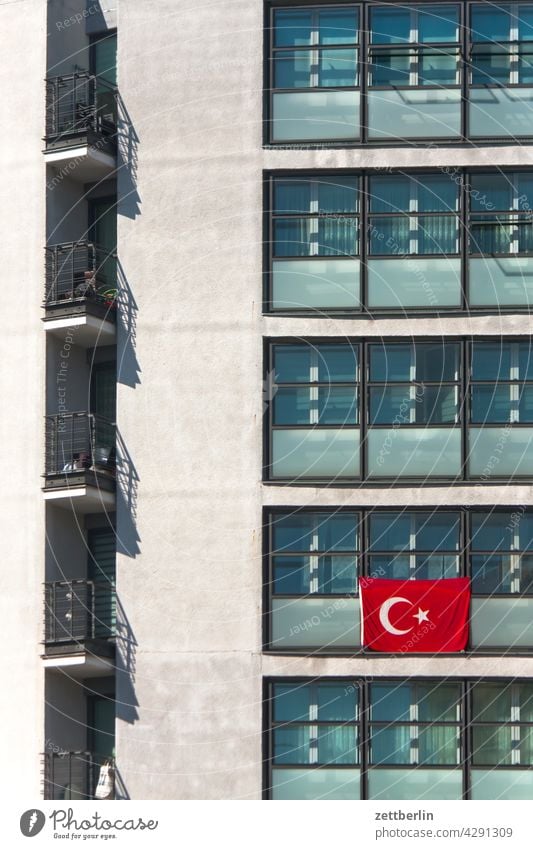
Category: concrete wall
[190,231]
[22,234]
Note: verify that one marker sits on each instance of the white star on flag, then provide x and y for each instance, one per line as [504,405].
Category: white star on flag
[422,615]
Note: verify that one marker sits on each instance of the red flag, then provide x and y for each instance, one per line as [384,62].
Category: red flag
[415,616]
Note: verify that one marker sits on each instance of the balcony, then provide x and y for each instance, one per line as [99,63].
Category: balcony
[76,775]
[80,292]
[81,125]
[80,461]
[79,620]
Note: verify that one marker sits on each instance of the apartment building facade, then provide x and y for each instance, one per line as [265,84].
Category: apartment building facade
[276,342]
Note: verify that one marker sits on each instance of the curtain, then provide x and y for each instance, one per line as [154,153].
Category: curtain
[337,744]
[338,236]
[438,234]
[438,744]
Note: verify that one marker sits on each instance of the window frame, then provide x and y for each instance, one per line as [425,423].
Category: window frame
[464,555]
[362,343]
[464,85]
[464,215]
[363,684]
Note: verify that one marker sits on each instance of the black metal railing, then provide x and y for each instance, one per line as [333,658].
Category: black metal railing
[80,271]
[79,103]
[76,442]
[77,611]
[78,775]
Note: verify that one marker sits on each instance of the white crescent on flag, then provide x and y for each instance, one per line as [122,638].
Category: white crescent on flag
[384,615]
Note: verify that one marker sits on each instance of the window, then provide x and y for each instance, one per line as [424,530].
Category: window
[315,239]
[314,560]
[413,398]
[410,69]
[414,426]
[315,411]
[502,553]
[414,72]
[407,255]
[315,725]
[502,737]
[313,568]
[419,743]
[501,409]
[408,545]
[315,73]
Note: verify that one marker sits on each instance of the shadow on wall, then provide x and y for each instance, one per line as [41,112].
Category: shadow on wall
[129,204]
[126,497]
[128,369]
[126,646]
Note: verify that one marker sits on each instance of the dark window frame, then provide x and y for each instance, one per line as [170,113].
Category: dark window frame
[363,685]
[465,553]
[465,84]
[465,215]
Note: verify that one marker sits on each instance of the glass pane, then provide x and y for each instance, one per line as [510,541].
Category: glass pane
[501,281]
[415,784]
[490,65]
[292,196]
[394,566]
[491,745]
[300,575]
[316,284]
[292,745]
[502,784]
[316,115]
[390,702]
[490,23]
[525,68]
[491,573]
[291,702]
[431,405]
[492,404]
[430,283]
[390,236]
[502,622]
[337,363]
[337,744]
[339,196]
[315,623]
[437,235]
[500,112]
[497,531]
[292,69]
[437,194]
[316,532]
[311,784]
[105,58]
[491,702]
[309,453]
[491,360]
[525,699]
[390,26]
[438,744]
[294,237]
[337,703]
[414,452]
[391,745]
[292,363]
[438,67]
[325,405]
[292,27]
[432,567]
[439,362]
[337,26]
[438,23]
[389,70]
[390,194]
[337,68]
[426,531]
[490,192]
[394,363]
[338,236]
[438,702]
[416,113]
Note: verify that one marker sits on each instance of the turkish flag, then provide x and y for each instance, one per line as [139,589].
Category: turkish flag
[415,616]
